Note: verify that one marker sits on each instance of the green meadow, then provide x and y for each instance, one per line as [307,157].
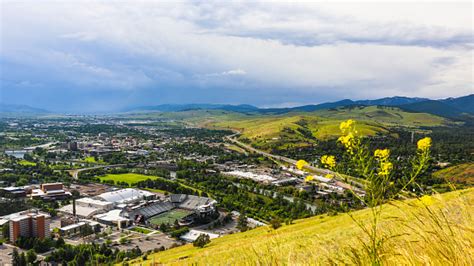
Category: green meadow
[130,178]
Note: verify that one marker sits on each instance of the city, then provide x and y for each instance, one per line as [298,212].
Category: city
[236,133]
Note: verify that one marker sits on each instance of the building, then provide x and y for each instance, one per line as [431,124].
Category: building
[113,218]
[30,223]
[126,196]
[200,205]
[192,235]
[87,207]
[141,212]
[51,187]
[78,228]
[50,191]
[13,192]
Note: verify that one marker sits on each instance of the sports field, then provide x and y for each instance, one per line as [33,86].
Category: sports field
[169,217]
[130,178]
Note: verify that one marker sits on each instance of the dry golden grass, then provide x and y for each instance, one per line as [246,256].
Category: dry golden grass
[439,234]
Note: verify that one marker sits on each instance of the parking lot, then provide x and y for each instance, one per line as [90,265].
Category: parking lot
[149,242]
[5,254]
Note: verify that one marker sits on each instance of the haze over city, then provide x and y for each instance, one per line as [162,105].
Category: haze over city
[103,56]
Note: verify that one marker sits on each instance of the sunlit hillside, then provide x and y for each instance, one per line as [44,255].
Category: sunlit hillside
[436,231]
[306,127]
[460,174]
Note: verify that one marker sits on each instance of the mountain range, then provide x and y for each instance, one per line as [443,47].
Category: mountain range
[21,109]
[454,108]
[460,108]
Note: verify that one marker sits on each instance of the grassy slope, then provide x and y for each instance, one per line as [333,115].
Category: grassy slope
[325,239]
[463,173]
[323,124]
[26,163]
[130,178]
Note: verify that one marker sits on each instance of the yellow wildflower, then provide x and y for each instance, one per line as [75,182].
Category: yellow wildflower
[308,178]
[301,164]
[347,125]
[348,141]
[328,161]
[426,200]
[329,176]
[382,154]
[385,168]
[424,144]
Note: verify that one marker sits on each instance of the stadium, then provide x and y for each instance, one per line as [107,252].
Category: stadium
[186,209]
[130,206]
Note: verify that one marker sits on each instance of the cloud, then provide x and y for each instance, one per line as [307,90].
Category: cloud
[233,72]
[259,53]
[80,36]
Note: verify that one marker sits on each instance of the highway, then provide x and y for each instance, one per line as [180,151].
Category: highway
[316,170]
[75,172]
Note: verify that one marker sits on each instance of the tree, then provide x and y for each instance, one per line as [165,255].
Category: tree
[275,223]
[242,223]
[86,230]
[31,256]
[202,240]
[15,257]
[6,231]
[60,242]
[22,259]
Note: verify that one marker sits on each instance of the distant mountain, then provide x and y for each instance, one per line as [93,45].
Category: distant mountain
[454,108]
[21,109]
[461,108]
[433,107]
[391,101]
[465,103]
[242,108]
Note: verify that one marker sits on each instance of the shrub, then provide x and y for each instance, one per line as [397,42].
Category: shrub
[275,223]
[202,240]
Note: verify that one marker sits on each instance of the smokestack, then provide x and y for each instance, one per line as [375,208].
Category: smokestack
[74,206]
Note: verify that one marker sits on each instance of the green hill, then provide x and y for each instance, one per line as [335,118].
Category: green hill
[460,174]
[438,233]
[302,128]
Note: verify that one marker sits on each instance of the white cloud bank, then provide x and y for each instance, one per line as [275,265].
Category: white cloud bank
[313,52]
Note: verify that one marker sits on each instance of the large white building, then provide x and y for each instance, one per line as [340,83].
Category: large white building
[126,196]
[87,207]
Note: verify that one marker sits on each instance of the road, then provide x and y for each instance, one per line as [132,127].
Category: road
[316,170]
[75,172]
[275,194]
[278,157]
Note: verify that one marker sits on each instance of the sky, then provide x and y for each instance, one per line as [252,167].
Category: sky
[99,56]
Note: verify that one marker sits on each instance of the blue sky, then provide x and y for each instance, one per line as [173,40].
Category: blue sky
[88,56]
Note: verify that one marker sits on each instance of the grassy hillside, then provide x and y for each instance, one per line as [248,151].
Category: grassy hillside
[462,174]
[438,233]
[301,128]
[306,127]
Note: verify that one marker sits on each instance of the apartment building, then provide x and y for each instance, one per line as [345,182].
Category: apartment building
[31,223]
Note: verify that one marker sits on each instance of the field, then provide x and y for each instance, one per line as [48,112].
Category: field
[169,217]
[438,233]
[26,163]
[461,174]
[129,178]
[141,230]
